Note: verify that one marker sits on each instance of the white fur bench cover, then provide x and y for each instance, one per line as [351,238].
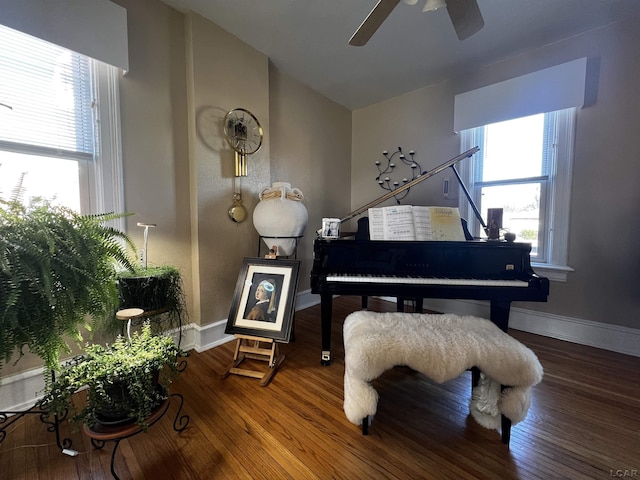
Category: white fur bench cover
[441,347]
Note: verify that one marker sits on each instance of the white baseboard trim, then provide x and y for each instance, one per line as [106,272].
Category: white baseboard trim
[21,391]
[614,338]
[212,334]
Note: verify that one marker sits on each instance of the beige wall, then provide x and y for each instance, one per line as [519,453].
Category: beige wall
[224,73]
[603,246]
[421,121]
[311,149]
[152,99]
[197,72]
[185,74]
[297,148]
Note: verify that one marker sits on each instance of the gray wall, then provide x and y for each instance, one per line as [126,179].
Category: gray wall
[603,245]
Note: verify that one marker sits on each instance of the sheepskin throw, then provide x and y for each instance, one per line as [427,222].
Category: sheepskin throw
[441,347]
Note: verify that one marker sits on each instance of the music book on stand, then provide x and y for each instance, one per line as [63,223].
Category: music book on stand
[415,223]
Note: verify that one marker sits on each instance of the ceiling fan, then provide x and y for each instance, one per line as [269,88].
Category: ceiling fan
[464,14]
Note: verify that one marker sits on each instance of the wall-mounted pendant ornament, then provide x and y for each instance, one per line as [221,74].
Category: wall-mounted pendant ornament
[237,212]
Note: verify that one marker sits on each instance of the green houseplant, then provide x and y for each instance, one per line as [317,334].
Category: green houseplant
[125,380]
[156,290]
[57,272]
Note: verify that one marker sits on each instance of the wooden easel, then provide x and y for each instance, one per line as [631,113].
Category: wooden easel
[248,347]
[253,350]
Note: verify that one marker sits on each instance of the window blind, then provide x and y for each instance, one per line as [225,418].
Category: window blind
[49,91]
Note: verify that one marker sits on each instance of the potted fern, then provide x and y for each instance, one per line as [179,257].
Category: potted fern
[57,272]
[125,381]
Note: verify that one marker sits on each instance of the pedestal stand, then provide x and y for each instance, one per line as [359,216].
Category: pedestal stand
[101,434]
[134,316]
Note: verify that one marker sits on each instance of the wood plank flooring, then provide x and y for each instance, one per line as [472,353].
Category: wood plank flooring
[583,423]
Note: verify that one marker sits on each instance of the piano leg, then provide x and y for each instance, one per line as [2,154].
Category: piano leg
[326,307]
[499,314]
[417,302]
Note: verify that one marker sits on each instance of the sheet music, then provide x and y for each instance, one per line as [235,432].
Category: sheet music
[421,223]
[376,224]
[398,223]
[443,224]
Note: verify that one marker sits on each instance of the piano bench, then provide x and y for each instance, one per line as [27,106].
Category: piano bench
[442,347]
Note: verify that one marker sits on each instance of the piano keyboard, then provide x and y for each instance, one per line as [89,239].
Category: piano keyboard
[350,278]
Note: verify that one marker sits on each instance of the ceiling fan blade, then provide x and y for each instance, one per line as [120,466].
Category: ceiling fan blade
[373,21]
[465,16]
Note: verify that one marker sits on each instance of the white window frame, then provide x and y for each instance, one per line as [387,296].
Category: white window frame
[101,179]
[557,208]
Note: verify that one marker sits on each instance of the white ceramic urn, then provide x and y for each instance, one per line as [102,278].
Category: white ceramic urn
[280,213]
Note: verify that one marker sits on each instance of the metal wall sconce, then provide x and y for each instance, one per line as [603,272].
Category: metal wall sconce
[385,170]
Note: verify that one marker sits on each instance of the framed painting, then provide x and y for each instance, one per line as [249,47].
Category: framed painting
[264,299]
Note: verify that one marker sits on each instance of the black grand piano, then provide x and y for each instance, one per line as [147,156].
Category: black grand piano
[497,271]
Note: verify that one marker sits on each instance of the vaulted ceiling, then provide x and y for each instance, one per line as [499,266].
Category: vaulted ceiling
[308,39]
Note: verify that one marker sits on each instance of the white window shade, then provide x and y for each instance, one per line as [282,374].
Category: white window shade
[548,90]
[95,28]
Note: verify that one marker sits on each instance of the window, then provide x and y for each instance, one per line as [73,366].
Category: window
[524,167]
[59,125]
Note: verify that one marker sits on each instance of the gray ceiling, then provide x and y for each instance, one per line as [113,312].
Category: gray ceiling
[307,39]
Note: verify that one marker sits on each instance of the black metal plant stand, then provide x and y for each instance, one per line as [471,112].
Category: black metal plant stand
[101,434]
[8,418]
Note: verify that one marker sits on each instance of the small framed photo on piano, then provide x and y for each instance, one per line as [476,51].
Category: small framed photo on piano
[264,299]
[330,228]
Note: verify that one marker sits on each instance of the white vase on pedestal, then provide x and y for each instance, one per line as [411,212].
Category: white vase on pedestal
[280,213]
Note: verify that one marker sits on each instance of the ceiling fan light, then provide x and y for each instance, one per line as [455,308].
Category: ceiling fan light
[431,5]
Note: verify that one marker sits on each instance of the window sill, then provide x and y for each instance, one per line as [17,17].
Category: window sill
[557,273]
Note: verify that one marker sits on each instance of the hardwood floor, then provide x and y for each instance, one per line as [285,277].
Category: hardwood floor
[583,423]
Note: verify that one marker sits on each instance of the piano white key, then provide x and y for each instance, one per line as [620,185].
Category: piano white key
[344,278]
